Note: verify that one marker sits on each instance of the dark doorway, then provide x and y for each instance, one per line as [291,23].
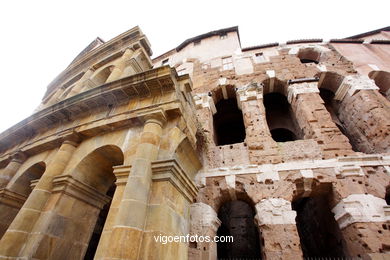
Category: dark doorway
[237,219]
[228,123]
[318,230]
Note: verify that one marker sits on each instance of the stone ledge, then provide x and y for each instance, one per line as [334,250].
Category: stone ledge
[66,184]
[12,199]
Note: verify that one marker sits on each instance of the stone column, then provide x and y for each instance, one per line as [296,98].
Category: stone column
[131,216]
[13,166]
[168,212]
[363,220]
[17,234]
[262,148]
[120,65]
[365,113]
[121,174]
[315,121]
[81,83]
[278,229]
[204,222]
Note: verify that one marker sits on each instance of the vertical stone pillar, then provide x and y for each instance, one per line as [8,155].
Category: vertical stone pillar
[81,83]
[363,220]
[17,234]
[262,148]
[13,166]
[121,174]
[315,121]
[120,65]
[278,229]
[204,222]
[130,220]
[365,113]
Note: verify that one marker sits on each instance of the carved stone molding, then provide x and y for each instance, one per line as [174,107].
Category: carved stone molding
[170,170]
[360,208]
[74,188]
[12,199]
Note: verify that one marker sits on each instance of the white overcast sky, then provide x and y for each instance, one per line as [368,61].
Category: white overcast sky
[38,39]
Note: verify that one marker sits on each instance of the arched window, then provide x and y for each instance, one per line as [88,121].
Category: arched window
[237,220]
[327,94]
[229,125]
[309,55]
[318,230]
[280,118]
[382,80]
[101,77]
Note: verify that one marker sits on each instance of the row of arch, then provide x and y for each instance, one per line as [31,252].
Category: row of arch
[319,233]
[229,127]
[94,170]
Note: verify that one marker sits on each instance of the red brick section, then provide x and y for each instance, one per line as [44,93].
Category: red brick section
[317,124]
[366,114]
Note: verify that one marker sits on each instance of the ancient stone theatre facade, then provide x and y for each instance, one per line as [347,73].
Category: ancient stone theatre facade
[284,146]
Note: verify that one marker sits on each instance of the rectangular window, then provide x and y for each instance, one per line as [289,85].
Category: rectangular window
[259,57]
[227,63]
[165,62]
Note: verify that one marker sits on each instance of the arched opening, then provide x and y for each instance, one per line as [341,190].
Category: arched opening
[280,118]
[237,220]
[96,171]
[282,135]
[101,77]
[382,80]
[318,230]
[309,55]
[229,125]
[21,188]
[332,106]
[22,184]
[387,196]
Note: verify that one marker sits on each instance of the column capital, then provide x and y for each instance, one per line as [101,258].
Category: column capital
[73,138]
[12,199]
[354,83]
[296,89]
[360,208]
[157,116]
[19,157]
[203,216]
[273,211]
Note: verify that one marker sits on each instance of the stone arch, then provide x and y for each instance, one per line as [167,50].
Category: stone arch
[21,184]
[330,80]
[331,94]
[238,220]
[100,77]
[94,178]
[309,55]
[274,85]
[280,116]
[382,80]
[318,230]
[95,169]
[17,191]
[228,120]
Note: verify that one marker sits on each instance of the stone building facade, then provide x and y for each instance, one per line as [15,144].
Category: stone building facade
[284,146]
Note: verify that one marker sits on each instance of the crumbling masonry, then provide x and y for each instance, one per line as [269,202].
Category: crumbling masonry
[286,147]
